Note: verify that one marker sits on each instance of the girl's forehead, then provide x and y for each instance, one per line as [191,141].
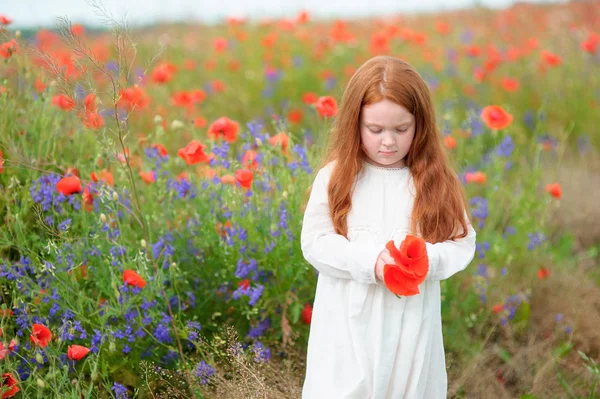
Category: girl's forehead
[385,110]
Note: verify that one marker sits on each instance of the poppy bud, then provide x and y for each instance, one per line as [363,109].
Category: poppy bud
[143,242]
[103,218]
[40,383]
[39,358]
[158,119]
[115,196]
[177,124]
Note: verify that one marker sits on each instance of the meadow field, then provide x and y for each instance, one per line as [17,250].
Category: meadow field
[152,181]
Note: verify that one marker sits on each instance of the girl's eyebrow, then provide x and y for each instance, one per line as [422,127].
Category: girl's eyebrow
[378,125]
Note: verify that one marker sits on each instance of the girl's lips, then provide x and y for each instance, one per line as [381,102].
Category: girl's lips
[387,153]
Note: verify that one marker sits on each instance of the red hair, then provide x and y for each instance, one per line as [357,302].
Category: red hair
[440,205]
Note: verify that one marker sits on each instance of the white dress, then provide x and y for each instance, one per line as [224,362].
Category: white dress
[365,342]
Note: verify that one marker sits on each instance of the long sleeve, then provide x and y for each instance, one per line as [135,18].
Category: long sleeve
[450,257]
[331,253]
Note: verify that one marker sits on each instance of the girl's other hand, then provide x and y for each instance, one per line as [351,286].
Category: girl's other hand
[383,259]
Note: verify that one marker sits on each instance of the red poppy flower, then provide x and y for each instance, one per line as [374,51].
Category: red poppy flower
[327,106]
[107,177]
[90,102]
[8,48]
[4,20]
[182,99]
[280,138]
[379,43]
[249,159]
[510,84]
[88,198]
[69,185]
[228,179]
[132,278]
[8,381]
[310,98]
[224,127]
[198,95]
[498,308]
[199,121]
[550,58]
[495,117]
[148,177]
[450,142]
[443,28]
[554,190]
[220,44]
[162,151]
[40,335]
[302,17]
[77,352]
[93,120]
[590,44]
[476,177]
[295,116]
[307,313]
[133,98]
[244,284]
[410,268]
[222,231]
[77,30]
[543,272]
[244,177]
[63,102]
[193,153]
[217,85]
[39,85]
[163,72]
[1,162]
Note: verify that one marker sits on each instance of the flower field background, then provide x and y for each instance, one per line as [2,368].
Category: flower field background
[152,183]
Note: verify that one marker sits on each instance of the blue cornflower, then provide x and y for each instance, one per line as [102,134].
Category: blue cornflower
[258,331]
[261,352]
[506,147]
[255,294]
[64,225]
[204,371]
[161,333]
[480,205]
[535,239]
[120,391]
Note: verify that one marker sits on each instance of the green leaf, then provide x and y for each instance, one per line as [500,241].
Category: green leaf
[562,350]
[502,353]
[295,311]
[528,396]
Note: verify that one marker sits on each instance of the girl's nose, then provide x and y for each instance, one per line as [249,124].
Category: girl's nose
[388,139]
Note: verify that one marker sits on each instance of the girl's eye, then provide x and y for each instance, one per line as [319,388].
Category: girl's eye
[375,131]
[401,131]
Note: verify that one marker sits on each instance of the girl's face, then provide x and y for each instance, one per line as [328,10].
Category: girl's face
[386,132]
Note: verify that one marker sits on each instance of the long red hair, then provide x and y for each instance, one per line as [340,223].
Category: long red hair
[439,206]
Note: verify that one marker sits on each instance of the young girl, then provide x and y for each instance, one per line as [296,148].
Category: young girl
[386,174]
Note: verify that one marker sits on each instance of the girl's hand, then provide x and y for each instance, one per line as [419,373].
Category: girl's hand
[383,259]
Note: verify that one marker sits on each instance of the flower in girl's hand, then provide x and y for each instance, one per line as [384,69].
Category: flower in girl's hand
[410,268]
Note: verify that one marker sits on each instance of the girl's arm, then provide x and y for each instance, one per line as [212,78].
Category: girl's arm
[331,253]
[450,257]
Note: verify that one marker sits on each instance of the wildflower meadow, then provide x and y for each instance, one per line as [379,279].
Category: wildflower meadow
[152,180]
